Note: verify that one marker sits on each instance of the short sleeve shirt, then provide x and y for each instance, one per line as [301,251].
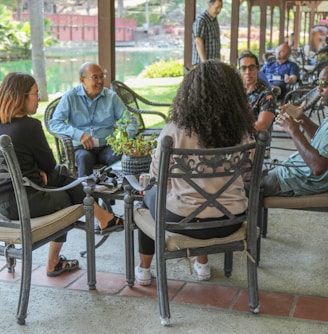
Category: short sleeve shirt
[207,28]
[261,99]
[298,176]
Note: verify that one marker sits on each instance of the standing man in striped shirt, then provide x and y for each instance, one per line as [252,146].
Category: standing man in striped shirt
[206,34]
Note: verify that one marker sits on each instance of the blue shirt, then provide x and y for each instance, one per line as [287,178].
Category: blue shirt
[299,176]
[207,28]
[76,114]
[275,72]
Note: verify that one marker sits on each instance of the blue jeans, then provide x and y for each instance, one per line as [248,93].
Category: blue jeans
[86,159]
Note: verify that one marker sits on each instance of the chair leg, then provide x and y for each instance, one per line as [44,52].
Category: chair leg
[253,292]
[98,244]
[264,222]
[258,250]
[90,237]
[162,291]
[129,238]
[228,263]
[25,286]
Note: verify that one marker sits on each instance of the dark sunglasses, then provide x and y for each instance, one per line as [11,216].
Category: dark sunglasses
[322,83]
[252,67]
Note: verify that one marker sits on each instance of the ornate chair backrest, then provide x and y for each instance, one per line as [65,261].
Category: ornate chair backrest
[190,165]
[11,177]
[129,98]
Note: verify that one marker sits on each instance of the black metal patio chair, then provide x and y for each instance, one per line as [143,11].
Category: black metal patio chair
[189,165]
[19,238]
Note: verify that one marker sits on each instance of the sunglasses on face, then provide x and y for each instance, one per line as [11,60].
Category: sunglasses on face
[322,83]
[251,67]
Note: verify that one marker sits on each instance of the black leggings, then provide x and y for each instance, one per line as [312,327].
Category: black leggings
[147,245]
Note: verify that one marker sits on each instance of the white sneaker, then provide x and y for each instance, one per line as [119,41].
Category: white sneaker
[142,275]
[203,271]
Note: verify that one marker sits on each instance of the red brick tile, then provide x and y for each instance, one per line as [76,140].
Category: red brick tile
[106,283]
[5,276]
[312,308]
[206,295]
[150,291]
[39,277]
[271,303]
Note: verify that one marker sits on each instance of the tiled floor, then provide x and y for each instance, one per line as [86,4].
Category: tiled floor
[204,294]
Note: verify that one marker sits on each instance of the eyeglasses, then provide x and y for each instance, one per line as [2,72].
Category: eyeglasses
[251,67]
[35,94]
[96,77]
[322,83]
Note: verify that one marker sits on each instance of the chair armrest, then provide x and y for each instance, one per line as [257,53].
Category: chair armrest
[134,183]
[90,181]
[149,112]
[148,102]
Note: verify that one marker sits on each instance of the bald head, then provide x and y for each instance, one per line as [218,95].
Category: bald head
[283,53]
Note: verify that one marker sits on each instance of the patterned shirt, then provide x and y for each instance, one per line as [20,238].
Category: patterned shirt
[207,28]
[261,99]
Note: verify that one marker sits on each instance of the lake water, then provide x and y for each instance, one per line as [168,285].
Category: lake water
[62,70]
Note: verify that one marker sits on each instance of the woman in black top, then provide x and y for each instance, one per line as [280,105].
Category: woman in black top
[18,100]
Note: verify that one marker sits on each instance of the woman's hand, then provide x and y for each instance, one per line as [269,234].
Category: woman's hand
[44,177]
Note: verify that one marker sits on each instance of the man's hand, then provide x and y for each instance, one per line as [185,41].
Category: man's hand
[200,48]
[290,79]
[294,111]
[287,123]
[87,141]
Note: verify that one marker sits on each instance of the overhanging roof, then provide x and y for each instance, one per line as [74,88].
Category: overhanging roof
[106,26]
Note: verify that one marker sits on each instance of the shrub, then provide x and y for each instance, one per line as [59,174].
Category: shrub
[163,68]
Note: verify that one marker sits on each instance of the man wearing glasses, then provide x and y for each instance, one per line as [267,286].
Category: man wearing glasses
[259,94]
[306,171]
[87,113]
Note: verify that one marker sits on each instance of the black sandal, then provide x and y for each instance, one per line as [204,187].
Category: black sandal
[115,224]
[60,268]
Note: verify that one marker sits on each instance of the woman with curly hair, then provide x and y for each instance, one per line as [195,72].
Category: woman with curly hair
[210,110]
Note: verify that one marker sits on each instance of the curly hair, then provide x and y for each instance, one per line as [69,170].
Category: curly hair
[211,102]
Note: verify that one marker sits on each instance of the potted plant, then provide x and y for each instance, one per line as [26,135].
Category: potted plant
[136,152]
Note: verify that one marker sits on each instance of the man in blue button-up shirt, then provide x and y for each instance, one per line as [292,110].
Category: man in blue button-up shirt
[282,72]
[87,113]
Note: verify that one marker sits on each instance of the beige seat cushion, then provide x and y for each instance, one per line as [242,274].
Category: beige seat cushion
[174,241]
[44,226]
[297,202]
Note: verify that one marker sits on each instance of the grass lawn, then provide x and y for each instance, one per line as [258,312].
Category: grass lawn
[153,91]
